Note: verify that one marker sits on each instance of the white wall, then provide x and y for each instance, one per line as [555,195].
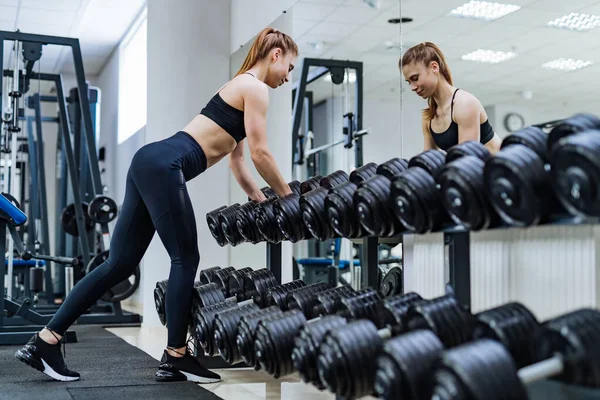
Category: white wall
[250,17]
[279,124]
[187,63]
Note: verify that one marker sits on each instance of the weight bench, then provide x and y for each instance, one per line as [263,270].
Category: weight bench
[332,264]
[22,322]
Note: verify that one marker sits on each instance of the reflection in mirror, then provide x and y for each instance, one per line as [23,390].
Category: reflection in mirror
[346,111]
[517,64]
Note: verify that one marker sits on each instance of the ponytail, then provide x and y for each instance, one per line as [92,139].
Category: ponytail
[426,53]
[267,40]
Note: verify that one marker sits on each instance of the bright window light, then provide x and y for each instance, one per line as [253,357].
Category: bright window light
[489,56]
[567,64]
[576,22]
[132,80]
[484,10]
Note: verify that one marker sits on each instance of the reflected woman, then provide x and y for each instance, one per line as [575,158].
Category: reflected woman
[453,116]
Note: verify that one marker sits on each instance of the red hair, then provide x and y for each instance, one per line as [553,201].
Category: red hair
[426,53]
[267,40]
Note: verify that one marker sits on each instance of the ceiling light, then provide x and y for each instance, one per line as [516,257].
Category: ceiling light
[489,56]
[316,46]
[403,20]
[567,64]
[327,78]
[484,10]
[576,22]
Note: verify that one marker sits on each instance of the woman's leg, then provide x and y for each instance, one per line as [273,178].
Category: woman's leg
[132,235]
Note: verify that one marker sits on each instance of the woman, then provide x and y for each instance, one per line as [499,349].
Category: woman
[156,199]
[453,116]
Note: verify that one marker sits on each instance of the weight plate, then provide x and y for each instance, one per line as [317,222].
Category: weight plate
[468,148]
[102,209]
[121,290]
[392,283]
[68,219]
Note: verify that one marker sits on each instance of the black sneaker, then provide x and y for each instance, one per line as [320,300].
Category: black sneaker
[46,358]
[186,368]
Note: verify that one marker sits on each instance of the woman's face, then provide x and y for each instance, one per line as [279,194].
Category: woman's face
[279,69]
[422,79]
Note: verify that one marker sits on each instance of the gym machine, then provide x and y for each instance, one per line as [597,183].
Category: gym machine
[304,154]
[21,319]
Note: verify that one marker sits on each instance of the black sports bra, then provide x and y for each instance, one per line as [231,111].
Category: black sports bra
[226,116]
[449,137]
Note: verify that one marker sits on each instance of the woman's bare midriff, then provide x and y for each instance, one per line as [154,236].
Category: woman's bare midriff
[213,139]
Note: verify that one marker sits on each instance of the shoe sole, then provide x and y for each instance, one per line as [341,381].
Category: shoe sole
[179,376]
[28,358]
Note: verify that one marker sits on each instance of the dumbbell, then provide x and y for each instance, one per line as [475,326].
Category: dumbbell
[397,376]
[517,180]
[160,292]
[221,229]
[339,202]
[226,327]
[275,335]
[462,190]
[256,286]
[359,342]
[372,199]
[236,342]
[576,173]
[580,122]
[484,369]
[414,194]
[312,205]
[511,324]
[159,300]
[265,217]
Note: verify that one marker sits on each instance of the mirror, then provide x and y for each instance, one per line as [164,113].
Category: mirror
[344,34]
[527,62]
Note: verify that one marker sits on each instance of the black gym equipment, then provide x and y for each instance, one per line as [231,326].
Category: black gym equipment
[414,194]
[576,173]
[484,369]
[462,186]
[577,123]
[518,181]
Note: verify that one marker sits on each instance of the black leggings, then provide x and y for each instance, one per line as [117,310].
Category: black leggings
[156,199]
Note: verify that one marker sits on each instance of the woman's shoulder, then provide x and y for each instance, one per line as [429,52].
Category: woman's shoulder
[466,98]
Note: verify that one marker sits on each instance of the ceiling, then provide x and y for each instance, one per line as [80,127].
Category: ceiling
[350,29]
[87,20]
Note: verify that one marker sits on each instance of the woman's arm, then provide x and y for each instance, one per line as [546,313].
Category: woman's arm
[466,115]
[242,173]
[256,104]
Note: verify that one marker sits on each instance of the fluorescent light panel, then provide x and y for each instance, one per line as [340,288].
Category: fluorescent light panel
[567,64]
[576,22]
[489,56]
[484,10]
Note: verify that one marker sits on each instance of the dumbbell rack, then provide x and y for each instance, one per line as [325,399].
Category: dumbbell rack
[274,265]
[458,278]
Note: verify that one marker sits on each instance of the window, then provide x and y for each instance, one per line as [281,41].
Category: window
[132,79]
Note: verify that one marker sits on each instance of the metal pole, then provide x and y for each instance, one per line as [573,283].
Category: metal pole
[66,137]
[459,266]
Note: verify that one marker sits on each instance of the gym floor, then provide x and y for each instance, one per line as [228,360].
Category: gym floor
[242,383]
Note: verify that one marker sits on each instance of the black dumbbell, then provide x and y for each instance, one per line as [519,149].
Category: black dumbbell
[484,369]
[415,194]
[462,190]
[576,173]
[517,180]
[277,333]
[214,226]
[312,204]
[358,343]
[397,377]
[159,300]
[577,123]
[340,200]
[310,184]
